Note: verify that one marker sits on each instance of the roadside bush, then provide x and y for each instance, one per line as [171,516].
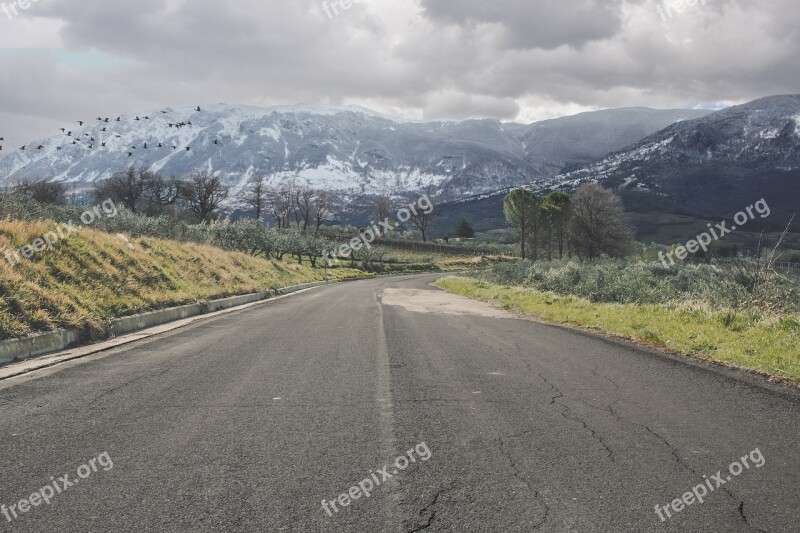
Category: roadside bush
[622,281]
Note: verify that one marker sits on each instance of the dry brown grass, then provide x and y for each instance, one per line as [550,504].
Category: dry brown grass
[93,277]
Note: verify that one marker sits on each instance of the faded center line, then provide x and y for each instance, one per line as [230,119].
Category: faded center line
[386,413]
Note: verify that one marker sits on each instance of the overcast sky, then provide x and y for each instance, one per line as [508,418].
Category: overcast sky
[520,60]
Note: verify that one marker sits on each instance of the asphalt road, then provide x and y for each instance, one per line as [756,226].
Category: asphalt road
[247,421]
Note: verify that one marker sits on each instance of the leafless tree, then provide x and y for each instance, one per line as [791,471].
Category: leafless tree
[255,195]
[160,192]
[280,206]
[126,188]
[54,192]
[423,221]
[597,224]
[383,208]
[203,193]
[304,210]
[322,210]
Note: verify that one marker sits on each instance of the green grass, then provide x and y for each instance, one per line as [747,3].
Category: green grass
[93,277]
[765,343]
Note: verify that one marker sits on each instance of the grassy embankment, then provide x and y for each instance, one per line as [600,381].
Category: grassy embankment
[744,337]
[93,277]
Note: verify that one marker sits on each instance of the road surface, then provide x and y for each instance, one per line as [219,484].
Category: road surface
[248,421]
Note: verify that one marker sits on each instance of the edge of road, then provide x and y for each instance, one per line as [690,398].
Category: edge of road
[748,376]
[131,329]
[22,356]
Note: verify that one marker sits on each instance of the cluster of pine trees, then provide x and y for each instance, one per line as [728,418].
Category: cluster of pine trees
[589,224]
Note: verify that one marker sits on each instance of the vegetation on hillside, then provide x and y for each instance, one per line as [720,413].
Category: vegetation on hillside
[94,276]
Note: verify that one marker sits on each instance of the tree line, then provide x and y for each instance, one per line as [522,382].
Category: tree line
[589,224]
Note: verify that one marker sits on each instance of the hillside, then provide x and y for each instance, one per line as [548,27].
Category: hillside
[349,150]
[95,276]
[712,166]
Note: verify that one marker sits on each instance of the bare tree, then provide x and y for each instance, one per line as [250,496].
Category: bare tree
[53,193]
[383,208]
[303,199]
[280,206]
[127,188]
[597,224]
[423,220]
[160,192]
[322,210]
[203,193]
[256,195]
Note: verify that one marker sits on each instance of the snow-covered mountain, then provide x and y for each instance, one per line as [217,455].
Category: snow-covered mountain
[712,166]
[350,149]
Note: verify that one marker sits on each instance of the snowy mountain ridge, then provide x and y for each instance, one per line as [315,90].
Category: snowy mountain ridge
[344,149]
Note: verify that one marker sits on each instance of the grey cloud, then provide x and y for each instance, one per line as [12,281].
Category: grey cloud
[431,58]
[535,24]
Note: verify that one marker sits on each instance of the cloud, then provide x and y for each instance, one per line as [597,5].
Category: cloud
[510,59]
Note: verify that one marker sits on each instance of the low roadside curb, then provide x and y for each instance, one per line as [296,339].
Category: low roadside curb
[16,350]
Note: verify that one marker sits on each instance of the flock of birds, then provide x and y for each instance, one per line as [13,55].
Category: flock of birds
[102,144]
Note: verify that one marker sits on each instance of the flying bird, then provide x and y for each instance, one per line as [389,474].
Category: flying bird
[119,118]
[23,148]
[130,154]
[160,145]
[145,146]
[63,130]
[103,145]
[198,108]
[216,141]
[188,148]
[104,129]
[80,123]
[137,118]
[39,147]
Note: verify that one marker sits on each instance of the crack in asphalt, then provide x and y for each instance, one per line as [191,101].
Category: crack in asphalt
[127,383]
[518,475]
[686,466]
[430,509]
[553,401]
